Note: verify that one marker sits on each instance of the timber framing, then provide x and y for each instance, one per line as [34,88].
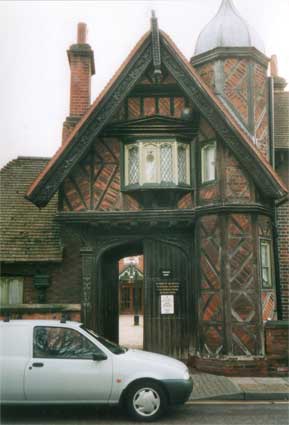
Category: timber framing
[155,217]
[105,106]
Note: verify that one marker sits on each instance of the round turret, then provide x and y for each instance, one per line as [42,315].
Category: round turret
[228,29]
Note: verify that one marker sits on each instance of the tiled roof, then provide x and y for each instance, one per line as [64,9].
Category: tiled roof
[27,233]
[281,119]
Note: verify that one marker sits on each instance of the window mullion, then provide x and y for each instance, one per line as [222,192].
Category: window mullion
[158,163]
[141,162]
[175,163]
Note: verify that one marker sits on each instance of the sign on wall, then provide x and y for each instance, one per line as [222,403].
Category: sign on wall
[167,304]
[167,287]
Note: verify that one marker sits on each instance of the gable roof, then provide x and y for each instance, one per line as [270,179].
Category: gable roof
[27,233]
[100,112]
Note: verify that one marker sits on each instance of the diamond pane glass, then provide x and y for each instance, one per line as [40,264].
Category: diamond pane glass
[150,164]
[133,165]
[166,163]
[182,169]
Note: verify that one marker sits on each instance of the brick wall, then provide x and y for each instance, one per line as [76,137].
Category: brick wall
[277,339]
[236,82]
[238,185]
[255,366]
[243,83]
[282,168]
[39,312]
[283,245]
[65,277]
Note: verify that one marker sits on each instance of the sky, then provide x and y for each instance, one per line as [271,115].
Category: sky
[34,37]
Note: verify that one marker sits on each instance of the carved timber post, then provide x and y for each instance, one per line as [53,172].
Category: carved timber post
[88,263]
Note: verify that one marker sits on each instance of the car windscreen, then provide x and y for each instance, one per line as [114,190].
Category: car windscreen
[111,346]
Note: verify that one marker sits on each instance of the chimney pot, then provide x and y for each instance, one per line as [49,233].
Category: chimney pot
[81,33]
[274,66]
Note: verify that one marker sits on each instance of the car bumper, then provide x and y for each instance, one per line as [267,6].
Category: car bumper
[179,390]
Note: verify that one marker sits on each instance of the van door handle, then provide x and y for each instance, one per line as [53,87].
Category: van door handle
[37,364]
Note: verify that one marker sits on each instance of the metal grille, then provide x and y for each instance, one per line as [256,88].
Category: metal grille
[166,163]
[182,169]
[133,165]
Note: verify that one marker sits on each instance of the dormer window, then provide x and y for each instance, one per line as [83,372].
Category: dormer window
[156,163]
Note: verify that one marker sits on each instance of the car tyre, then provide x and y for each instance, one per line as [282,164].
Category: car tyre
[146,401]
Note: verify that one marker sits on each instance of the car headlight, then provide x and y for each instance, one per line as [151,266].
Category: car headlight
[186,375]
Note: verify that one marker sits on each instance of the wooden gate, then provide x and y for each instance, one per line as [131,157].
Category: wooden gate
[167,328]
[167,276]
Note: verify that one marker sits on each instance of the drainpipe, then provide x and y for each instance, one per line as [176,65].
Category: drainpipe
[275,229]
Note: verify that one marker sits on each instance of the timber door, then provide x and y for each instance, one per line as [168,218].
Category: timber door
[168,307]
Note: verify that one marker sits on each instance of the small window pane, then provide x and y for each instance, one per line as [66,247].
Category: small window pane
[53,342]
[182,166]
[208,163]
[266,271]
[15,292]
[166,163]
[4,291]
[133,165]
[11,290]
[150,164]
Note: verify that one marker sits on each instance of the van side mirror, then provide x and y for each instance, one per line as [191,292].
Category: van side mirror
[98,357]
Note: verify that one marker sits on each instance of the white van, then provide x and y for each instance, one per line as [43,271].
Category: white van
[47,361]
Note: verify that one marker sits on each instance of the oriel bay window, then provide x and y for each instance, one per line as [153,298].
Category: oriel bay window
[156,163]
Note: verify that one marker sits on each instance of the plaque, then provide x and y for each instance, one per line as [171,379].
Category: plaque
[165,287]
[165,273]
[167,304]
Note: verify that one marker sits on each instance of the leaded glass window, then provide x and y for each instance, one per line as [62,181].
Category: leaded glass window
[157,162]
[133,165]
[182,164]
[150,164]
[166,159]
[266,271]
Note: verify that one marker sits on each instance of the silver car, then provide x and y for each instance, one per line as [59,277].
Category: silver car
[50,362]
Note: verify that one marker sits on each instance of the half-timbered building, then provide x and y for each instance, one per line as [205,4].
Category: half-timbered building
[183,162]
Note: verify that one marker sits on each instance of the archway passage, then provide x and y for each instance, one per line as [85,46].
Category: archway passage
[130,296]
[168,310]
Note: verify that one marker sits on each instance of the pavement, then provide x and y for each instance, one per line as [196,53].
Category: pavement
[130,335]
[213,387]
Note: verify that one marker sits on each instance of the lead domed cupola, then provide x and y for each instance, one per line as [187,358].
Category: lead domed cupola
[228,29]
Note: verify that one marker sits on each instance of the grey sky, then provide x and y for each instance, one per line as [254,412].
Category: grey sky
[34,37]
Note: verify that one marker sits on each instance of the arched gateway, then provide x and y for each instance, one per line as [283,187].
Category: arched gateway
[170,323]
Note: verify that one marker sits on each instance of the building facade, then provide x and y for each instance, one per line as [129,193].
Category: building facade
[183,162]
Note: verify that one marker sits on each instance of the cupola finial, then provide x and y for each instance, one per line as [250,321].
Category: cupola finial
[227,29]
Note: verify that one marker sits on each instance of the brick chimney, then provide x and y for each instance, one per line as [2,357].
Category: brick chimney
[81,61]
[279,82]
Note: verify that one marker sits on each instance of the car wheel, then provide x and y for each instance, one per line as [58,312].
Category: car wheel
[146,401]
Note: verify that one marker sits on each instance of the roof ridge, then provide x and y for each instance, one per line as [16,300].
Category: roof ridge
[33,157]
